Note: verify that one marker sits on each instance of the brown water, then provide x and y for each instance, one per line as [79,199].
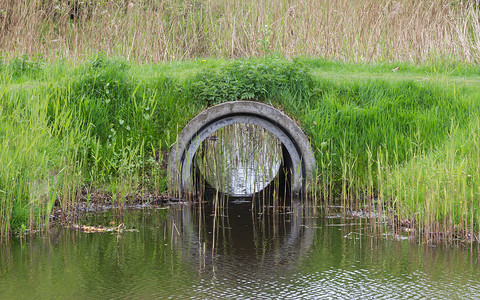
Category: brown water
[293,254]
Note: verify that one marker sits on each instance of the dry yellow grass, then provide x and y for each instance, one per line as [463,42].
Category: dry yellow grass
[152,31]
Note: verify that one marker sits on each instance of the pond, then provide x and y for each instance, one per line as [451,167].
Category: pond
[294,253]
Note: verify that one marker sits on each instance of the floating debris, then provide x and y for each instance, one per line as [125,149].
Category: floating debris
[101,229]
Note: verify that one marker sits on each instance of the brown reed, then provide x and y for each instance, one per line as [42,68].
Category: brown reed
[154,31]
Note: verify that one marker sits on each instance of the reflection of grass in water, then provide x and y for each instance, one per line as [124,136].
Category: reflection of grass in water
[239,158]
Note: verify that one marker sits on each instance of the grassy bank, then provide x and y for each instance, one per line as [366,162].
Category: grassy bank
[405,140]
[152,31]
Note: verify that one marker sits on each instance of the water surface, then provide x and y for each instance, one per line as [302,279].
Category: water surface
[293,254]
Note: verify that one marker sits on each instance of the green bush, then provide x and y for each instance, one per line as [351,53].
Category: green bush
[26,66]
[253,80]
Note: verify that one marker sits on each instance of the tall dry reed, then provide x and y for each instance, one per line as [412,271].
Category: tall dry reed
[152,31]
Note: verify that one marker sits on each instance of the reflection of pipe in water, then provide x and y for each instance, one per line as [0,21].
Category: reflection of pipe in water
[246,241]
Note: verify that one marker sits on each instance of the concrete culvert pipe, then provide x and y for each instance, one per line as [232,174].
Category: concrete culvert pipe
[298,155]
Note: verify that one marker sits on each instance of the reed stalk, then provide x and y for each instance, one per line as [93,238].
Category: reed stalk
[364,31]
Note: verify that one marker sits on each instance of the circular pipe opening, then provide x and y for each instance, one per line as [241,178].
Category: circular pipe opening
[240,159]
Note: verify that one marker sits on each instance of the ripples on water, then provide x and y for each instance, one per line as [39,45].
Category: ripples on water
[294,254]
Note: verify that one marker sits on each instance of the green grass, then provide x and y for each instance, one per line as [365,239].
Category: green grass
[407,139]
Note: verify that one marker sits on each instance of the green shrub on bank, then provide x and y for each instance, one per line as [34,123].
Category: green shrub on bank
[260,80]
[25,66]
[102,94]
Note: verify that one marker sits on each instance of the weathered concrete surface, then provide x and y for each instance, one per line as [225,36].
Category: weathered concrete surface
[301,158]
